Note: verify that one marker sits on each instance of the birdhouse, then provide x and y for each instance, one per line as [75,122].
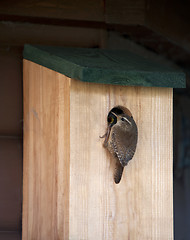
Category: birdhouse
[68,187]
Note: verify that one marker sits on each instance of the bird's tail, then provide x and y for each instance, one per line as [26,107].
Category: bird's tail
[118,172]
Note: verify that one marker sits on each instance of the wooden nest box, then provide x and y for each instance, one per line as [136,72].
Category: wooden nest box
[69,191]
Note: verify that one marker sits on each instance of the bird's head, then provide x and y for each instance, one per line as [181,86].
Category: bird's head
[121,116]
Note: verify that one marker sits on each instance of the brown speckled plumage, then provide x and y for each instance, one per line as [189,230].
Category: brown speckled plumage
[121,138]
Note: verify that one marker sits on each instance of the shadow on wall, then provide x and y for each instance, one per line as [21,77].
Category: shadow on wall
[182,162]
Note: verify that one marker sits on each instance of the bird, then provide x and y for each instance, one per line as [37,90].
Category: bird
[120,138]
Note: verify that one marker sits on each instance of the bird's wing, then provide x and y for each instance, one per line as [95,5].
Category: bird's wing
[124,145]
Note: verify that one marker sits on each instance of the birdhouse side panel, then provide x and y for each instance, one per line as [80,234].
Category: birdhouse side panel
[46,153]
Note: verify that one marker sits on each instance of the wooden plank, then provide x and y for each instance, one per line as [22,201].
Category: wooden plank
[119,67]
[7,235]
[69,191]
[11,115]
[170,18]
[125,12]
[46,154]
[77,9]
[141,206]
[17,34]
[10,184]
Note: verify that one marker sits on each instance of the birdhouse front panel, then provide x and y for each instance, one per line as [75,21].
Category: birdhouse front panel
[69,189]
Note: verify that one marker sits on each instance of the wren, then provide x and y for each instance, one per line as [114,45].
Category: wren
[120,138]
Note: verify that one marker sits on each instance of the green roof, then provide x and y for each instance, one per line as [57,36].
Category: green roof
[119,67]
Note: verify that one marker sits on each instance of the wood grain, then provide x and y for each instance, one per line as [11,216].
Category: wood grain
[120,67]
[167,17]
[17,34]
[46,154]
[141,206]
[76,9]
[69,191]
[171,19]
[125,12]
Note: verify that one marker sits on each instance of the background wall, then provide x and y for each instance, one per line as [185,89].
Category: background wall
[10,142]
[155,29]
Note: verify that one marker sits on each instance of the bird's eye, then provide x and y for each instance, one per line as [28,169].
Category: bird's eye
[110,120]
[126,120]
